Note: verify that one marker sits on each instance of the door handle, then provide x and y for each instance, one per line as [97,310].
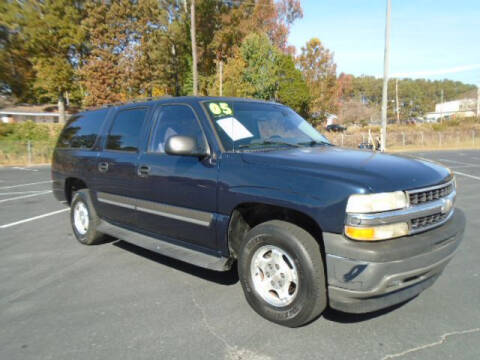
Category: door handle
[143,170]
[103,167]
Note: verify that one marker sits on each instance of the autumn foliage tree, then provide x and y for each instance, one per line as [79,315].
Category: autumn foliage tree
[319,70]
[260,70]
[50,36]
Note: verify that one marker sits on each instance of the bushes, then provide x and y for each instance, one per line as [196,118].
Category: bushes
[27,142]
[30,131]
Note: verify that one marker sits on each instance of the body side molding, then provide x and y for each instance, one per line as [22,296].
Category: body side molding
[197,217]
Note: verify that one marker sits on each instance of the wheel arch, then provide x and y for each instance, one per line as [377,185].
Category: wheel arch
[245,216]
[73,184]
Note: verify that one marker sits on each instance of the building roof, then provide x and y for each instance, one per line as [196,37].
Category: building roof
[31,110]
[24,108]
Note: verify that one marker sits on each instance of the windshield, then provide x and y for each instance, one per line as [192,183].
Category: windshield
[243,125]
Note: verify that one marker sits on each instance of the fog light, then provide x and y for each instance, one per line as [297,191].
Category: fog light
[375,233]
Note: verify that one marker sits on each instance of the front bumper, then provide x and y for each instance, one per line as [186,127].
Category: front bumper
[364,277]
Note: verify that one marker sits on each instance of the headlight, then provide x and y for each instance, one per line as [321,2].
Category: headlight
[376,233]
[371,203]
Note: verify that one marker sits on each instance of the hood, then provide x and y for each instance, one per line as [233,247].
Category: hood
[377,172]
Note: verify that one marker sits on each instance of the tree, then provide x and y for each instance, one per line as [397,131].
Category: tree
[53,38]
[292,89]
[416,97]
[234,82]
[260,70]
[16,70]
[260,57]
[253,69]
[103,72]
[108,51]
[319,71]
[262,16]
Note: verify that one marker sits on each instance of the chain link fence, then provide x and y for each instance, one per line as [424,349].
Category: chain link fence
[40,152]
[25,152]
[413,140]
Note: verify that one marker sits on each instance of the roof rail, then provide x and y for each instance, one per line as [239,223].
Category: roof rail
[150,98]
[118,103]
[136,100]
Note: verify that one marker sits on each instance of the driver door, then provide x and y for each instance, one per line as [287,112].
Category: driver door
[176,194]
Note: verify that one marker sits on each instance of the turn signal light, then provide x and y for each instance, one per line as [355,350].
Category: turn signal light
[376,233]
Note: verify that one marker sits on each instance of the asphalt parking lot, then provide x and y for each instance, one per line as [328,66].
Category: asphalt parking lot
[62,300]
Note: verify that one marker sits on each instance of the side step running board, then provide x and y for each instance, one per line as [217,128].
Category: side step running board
[165,248]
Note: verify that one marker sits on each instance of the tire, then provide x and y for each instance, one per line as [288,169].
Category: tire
[86,231]
[305,295]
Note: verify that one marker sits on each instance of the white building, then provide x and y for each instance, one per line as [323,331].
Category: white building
[463,105]
[449,109]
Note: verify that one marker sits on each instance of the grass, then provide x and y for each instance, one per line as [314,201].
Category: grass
[450,135]
[21,153]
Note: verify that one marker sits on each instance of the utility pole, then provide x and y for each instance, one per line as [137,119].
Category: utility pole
[61,108]
[194,48]
[441,106]
[386,61]
[220,74]
[396,99]
[478,101]
[174,53]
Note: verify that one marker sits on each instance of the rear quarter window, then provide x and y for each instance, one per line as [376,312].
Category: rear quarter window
[82,130]
[125,132]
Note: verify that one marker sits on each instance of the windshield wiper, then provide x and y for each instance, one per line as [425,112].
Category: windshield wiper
[314,142]
[267,142]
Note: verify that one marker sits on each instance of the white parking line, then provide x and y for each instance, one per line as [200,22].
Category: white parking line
[22,192]
[466,175]
[22,168]
[26,196]
[33,218]
[459,162]
[15,186]
[452,167]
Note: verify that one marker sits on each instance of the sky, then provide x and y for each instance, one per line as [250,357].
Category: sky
[433,39]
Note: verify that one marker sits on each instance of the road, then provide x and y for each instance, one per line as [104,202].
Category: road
[62,300]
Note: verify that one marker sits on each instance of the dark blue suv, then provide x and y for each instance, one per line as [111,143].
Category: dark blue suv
[223,181]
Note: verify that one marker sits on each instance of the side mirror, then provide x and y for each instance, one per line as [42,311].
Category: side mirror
[185,146]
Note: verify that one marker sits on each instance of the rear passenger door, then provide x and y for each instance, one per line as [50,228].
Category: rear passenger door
[177,194]
[117,165]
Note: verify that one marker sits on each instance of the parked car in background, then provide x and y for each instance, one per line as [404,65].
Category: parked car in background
[221,182]
[335,128]
[366,146]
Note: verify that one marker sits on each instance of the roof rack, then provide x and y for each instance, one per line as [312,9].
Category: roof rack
[118,103]
[137,100]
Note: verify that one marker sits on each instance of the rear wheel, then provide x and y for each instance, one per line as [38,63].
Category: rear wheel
[282,275]
[84,219]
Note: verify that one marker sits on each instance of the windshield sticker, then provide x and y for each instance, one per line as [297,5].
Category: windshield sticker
[220,109]
[234,128]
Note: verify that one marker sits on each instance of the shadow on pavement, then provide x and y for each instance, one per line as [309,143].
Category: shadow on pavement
[220,277]
[347,318]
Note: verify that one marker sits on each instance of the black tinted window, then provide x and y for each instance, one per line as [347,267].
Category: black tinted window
[125,132]
[175,120]
[82,130]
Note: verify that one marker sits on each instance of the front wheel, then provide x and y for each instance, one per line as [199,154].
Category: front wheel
[282,275]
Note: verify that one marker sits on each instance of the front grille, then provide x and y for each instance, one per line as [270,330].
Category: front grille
[422,197]
[427,221]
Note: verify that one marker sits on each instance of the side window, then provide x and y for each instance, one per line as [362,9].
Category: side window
[125,132]
[175,120]
[82,130]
